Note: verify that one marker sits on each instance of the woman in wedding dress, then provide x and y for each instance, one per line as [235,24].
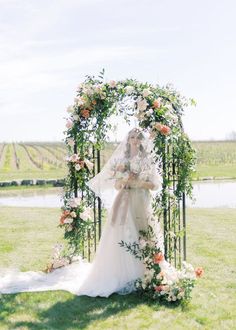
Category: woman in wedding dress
[125,186]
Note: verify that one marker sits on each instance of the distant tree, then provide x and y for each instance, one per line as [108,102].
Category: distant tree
[231,136]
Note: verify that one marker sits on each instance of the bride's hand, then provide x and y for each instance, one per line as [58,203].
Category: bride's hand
[145,184]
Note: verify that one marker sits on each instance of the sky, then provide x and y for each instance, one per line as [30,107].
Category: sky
[47,48]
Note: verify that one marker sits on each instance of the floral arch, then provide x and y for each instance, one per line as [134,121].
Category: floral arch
[159,111]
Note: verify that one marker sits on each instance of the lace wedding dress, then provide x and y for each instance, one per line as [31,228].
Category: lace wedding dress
[113,269]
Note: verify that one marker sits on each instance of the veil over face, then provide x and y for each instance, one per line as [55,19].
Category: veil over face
[144,166]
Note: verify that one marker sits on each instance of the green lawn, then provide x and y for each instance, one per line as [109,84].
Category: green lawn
[26,239]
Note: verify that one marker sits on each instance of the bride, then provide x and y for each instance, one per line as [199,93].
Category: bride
[125,185]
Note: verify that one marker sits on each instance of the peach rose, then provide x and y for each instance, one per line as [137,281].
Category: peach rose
[199,271]
[158,126]
[165,130]
[64,215]
[157,103]
[158,257]
[94,102]
[85,113]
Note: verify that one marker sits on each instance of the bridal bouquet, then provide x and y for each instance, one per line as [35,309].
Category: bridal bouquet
[124,169]
[161,281]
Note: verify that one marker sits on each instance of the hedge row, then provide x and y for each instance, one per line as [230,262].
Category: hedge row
[33,182]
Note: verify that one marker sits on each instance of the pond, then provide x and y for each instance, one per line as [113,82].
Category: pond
[207,194]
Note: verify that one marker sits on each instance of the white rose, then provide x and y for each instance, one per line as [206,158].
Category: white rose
[73,214]
[88,90]
[70,109]
[79,100]
[79,87]
[142,243]
[129,90]
[75,117]
[77,167]
[86,214]
[69,228]
[75,202]
[98,88]
[142,105]
[146,92]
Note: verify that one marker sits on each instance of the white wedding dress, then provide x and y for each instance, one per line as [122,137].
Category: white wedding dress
[113,269]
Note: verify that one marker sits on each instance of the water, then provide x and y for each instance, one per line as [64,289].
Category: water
[42,198]
[214,194]
[207,194]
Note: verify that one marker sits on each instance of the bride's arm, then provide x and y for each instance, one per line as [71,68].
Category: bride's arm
[144,184]
[119,183]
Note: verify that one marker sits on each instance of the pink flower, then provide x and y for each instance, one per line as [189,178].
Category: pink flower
[74,158]
[69,123]
[71,142]
[68,220]
[159,288]
[112,83]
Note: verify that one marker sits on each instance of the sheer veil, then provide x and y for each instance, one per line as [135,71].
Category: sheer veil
[147,167]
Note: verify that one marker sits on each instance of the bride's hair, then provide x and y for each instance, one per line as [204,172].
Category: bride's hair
[140,136]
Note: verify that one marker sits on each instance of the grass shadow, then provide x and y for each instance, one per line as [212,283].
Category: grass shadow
[68,312]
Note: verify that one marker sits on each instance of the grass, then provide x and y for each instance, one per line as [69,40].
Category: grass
[215,159]
[27,236]
[15,190]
